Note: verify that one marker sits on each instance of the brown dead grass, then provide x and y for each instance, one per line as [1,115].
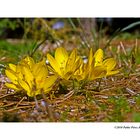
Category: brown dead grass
[86,105]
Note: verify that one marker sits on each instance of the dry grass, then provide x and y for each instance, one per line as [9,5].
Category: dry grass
[117,100]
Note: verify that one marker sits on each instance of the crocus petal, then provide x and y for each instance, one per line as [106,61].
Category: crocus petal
[25,86]
[61,56]
[27,61]
[12,67]
[12,86]
[71,61]
[11,75]
[54,64]
[97,72]
[112,72]
[49,82]
[98,56]
[19,71]
[28,76]
[90,58]
[110,63]
[40,70]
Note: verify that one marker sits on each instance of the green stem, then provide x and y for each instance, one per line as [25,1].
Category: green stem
[37,46]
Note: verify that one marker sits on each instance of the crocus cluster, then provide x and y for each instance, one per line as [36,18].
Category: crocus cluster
[30,76]
[73,67]
[35,78]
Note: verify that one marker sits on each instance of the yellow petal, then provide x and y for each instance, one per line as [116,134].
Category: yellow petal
[28,61]
[19,71]
[25,86]
[36,69]
[12,67]
[112,72]
[51,69]
[43,73]
[28,76]
[49,82]
[47,90]
[68,75]
[40,78]
[61,56]
[71,61]
[78,63]
[98,56]
[11,75]
[11,86]
[40,70]
[110,63]
[97,72]
[54,64]
[90,58]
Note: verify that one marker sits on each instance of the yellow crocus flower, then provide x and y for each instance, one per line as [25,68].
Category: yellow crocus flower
[96,67]
[108,63]
[90,71]
[30,76]
[63,64]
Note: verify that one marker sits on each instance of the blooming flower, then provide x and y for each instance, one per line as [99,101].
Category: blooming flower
[108,63]
[30,76]
[95,67]
[88,71]
[63,64]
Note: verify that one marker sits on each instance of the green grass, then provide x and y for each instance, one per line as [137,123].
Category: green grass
[13,51]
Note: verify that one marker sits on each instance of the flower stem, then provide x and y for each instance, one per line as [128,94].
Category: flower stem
[49,109]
